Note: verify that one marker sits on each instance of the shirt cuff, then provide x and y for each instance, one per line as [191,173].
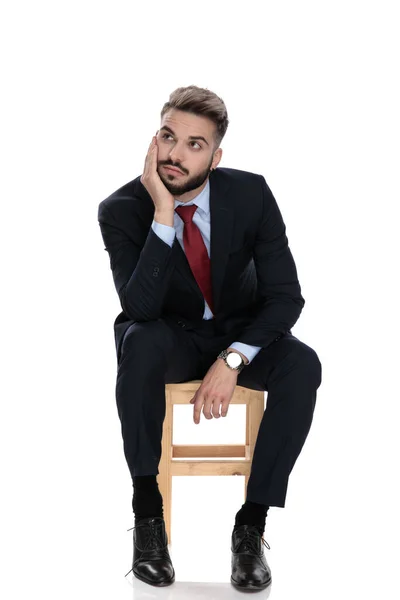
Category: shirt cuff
[249,351]
[165,232]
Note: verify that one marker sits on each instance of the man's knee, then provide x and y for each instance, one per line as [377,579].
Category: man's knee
[148,337]
[310,363]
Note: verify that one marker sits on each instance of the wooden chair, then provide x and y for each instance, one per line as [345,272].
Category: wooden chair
[182,459]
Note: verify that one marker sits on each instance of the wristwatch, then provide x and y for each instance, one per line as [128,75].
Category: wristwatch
[232,359]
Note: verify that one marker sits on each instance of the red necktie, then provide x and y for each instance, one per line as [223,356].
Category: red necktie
[196,251]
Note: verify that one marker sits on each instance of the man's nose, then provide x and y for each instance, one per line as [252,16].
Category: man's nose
[176,155]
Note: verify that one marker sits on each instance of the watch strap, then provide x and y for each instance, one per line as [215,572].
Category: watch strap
[225,353]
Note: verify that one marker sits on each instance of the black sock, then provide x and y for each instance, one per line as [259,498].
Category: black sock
[147,500]
[252,513]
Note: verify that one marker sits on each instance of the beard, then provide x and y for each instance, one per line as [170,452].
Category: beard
[177,189]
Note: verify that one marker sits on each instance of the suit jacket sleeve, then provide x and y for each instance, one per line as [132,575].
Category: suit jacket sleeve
[249,351]
[279,290]
[141,273]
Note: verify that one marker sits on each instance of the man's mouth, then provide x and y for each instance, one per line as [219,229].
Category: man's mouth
[172,170]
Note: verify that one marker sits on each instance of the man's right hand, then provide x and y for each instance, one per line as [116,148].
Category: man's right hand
[163,200]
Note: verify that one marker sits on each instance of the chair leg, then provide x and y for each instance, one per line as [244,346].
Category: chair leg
[254,415]
[246,477]
[164,477]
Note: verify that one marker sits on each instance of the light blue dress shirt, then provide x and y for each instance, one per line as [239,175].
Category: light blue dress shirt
[201,218]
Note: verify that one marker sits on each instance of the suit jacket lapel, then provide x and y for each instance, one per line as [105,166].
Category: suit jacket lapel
[222,220]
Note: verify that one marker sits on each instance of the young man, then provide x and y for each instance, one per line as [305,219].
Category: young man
[209,290]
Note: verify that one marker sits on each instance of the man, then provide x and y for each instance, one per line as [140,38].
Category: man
[209,290]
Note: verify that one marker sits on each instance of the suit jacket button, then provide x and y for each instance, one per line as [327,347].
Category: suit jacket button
[181,323]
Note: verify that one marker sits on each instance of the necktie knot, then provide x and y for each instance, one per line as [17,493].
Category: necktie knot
[186,212]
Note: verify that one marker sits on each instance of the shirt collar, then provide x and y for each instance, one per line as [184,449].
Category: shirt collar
[202,200]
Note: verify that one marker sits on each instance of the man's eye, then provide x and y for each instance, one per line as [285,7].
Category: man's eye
[165,135]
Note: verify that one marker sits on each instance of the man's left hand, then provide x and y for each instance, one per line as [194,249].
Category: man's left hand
[215,391]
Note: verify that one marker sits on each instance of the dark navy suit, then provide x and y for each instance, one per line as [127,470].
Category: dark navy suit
[161,335]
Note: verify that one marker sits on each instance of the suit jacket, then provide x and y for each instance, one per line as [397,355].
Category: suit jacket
[256,292]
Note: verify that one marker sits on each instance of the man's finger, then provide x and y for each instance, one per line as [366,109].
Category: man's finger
[147,159]
[193,400]
[224,407]
[215,408]
[150,149]
[153,155]
[197,408]
[207,407]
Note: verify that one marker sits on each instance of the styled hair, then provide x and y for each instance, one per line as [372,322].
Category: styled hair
[200,101]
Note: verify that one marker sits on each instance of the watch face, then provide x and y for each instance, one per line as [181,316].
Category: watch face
[233,359]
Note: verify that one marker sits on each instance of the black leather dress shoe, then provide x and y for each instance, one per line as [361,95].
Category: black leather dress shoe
[250,569]
[151,560]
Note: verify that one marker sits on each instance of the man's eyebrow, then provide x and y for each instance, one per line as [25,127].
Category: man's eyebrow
[191,137]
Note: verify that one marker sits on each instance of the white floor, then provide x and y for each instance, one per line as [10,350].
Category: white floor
[183,590]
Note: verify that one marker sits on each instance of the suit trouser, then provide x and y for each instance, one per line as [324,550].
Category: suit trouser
[154,353]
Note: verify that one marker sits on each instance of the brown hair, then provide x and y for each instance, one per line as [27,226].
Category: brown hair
[200,101]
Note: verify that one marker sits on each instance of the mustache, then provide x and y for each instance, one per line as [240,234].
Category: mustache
[175,166]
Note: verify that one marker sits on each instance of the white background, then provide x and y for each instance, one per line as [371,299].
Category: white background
[312,95]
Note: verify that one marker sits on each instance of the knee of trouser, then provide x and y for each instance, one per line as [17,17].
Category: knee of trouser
[147,337]
[314,367]
[308,359]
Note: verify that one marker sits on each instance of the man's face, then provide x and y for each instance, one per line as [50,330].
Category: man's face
[178,148]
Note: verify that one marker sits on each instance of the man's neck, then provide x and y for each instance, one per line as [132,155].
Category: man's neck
[188,196]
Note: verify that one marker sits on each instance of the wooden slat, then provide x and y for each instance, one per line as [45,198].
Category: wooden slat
[210,467]
[181,393]
[208,450]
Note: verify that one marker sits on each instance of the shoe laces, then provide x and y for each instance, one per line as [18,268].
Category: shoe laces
[250,541]
[154,542]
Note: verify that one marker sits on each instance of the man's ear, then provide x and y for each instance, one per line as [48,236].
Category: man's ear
[217,157]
